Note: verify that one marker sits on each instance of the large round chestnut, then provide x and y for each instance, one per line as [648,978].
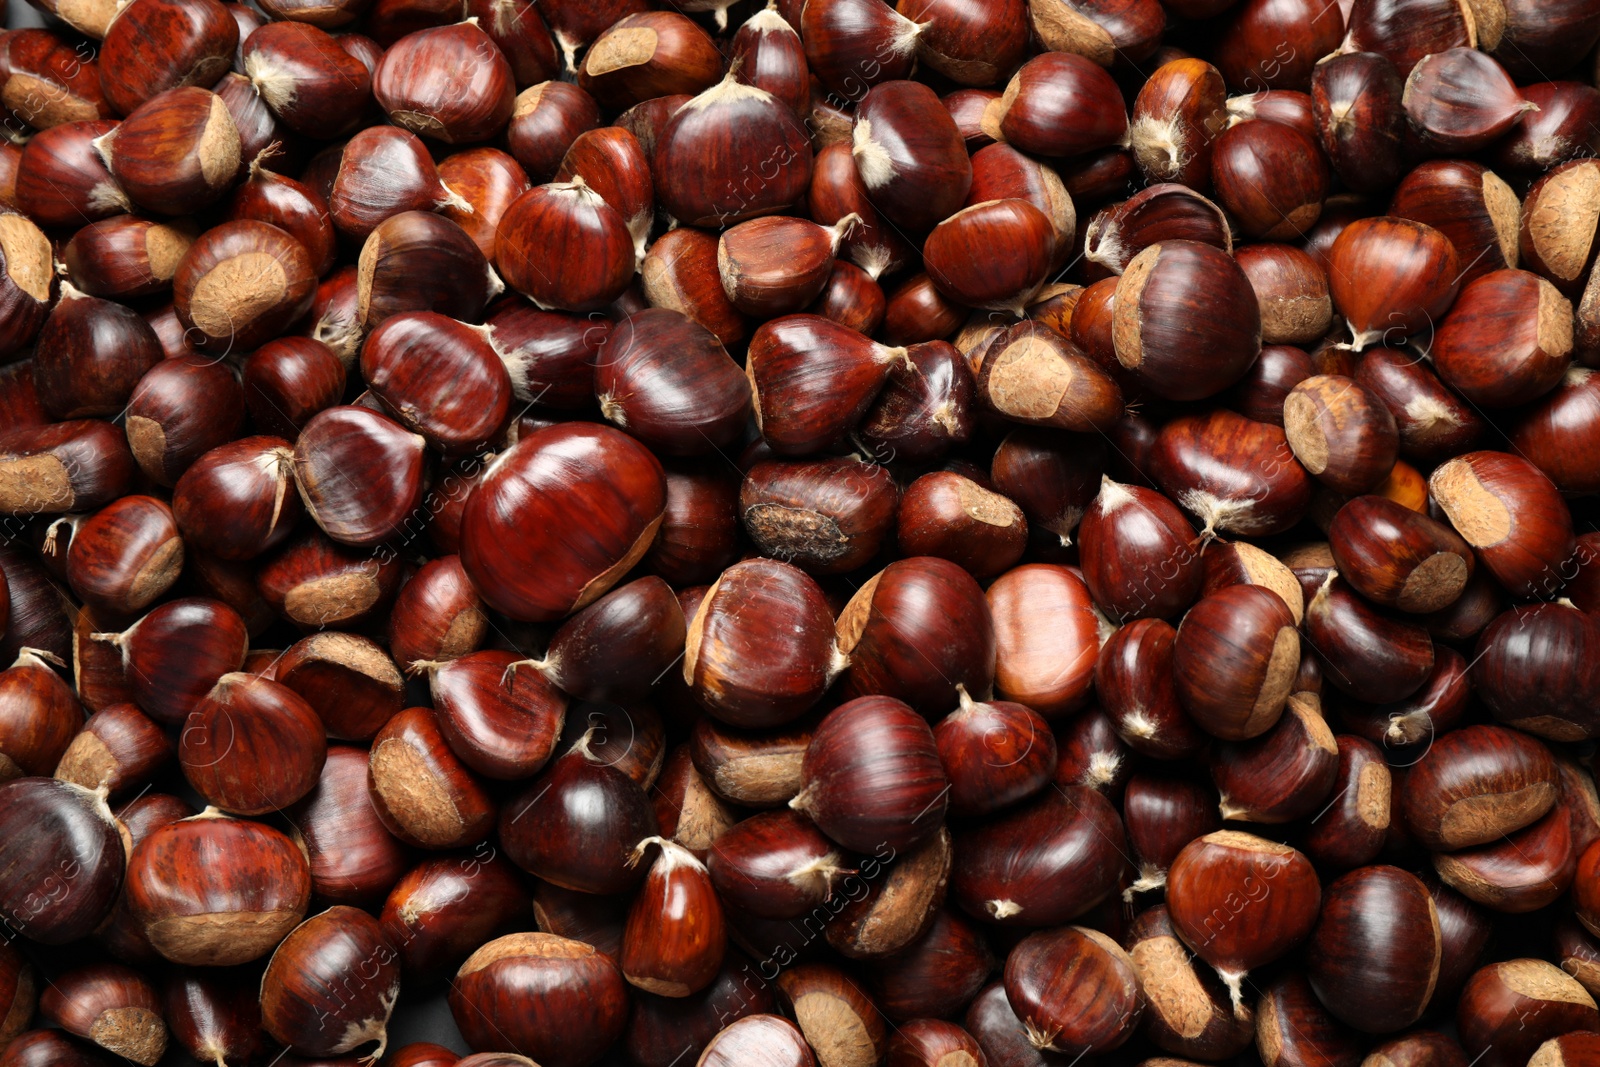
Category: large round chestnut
[1240,901]
[420,791]
[61,860]
[559,517]
[761,648]
[440,911]
[1373,959]
[331,985]
[1047,638]
[1075,990]
[668,381]
[1508,1009]
[1476,784]
[212,891]
[919,630]
[353,858]
[1235,659]
[241,284]
[447,82]
[872,776]
[1139,554]
[1043,864]
[1535,670]
[251,746]
[994,754]
[559,1000]
[1512,514]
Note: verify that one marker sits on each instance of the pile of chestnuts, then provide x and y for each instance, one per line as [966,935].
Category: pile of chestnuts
[800,533]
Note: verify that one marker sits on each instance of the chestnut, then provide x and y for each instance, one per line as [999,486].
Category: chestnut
[176,653]
[199,911]
[61,859]
[473,103]
[163,45]
[1240,902]
[501,722]
[1236,475]
[764,1038]
[761,648]
[1511,513]
[1341,433]
[1251,630]
[669,382]
[118,747]
[1525,871]
[241,284]
[641,624]
[839,1020]
[331,985]
[353,858]
[59,467]
[420,791]
[1187,1010]
[1351,831]
[1272,177]
[1476,784]
[1285,774]
[872,776]
[674,942]
[1371,656]
[1508,1009]
[1398,557]
[949,516]
[1135,687]
[1292,1027]
[214,1018]
[176,151]
[169,427]
[125,556]
[1410,276]
[1461,100]
[1548,642]
[559,517]
[1373,958]
[1468,203]
[1049,668]
[925,408]
[1139,554]
[237,500]
[826,516]
[760,770]
[243,726]
[1060,105]
[113,1006]
[577,823]
[1042,864]
[39,716]
[441,910]
[994,754]
[1031,376]
[91,355]
[1507,340]
[560,1000]
[1075,991]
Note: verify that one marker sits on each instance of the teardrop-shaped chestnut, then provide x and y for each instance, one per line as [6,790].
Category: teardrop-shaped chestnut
[243,725]
[440,377]
[501,722]
[442,909]
[619,646]
[994,753]
[359,473]
[1512,514]
[1234,661]
[1187,1011]
[176,653]
[1032,376]
[675,939]
[947,515]
[1398,557]
[669,382]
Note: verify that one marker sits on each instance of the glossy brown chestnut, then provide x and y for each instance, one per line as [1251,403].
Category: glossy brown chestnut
[1240,901]
[118,748]
[245,724]
[994,754]
[1048,668]
[949,516]
[1043,864]
[471,103]
[1236,475]
[1547,642]
[1526,870]
[1293,1028]
[1249,628]
[198,909]
[353,858]
[560,1000]
[757,770]
[1373,657]
[125,556]
[826,516]
[359,474]
[214,1018]
[113,1006]
[1140,557]
[91,355]
[39,716]
[838,1018]
[421,792]
[500,721]
[1512,515]
[1187,1008]
[1398,557]
[440,911]
[1409,274]
[1341,433]
[1373,959]
[1032,376]
[1075,991]
[1272,177]
[1285,774]
[1060,105]
[669,382]
[299,1005]
[1508,1009]
[1476,784]
[58,836]
[1351,831]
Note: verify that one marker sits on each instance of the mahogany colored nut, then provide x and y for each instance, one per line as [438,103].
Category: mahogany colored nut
[910,156]
[1398,557]
[162,45]
[298,1004]
[1042,864]
[1188,1010]
[701,153]
[1421,1048]
[674,942]
[175,654]
[56,831]
[776,865]
[1543,435]
[40,717]
[289,380]
[353,858]
[925,408]
[617,647]
[1234,660]
[777,265]
[384,171]
[1240,901]
[1434,422]
[1091,754]
[438,614]
[61,179]
[1469,204]
[560,1000]
[125,556]
[872,776]
[313,85]
[1075,991]
[668,381]
[113,1006]
[349,681]
[1409,275]
[90,356]
[241,284]
[1292,1027]
[1285,774]
[448,82]
[1352,830]
[551,355]
[63,467]
[1476,784]
[648,55]
[1373,657]
[768,1039]
[581,473]
[1177,117]
[1032,376]
[441,378]
[120,257]
[1507,340]
[1508,1009]
[1059,105]
[949,516]
[576,824]
[420,790]
[237,500]
[119,747]
[413,243]
[242,727]
[1341,433]
[1460,100]
[445,907]
[545,119]
[839,1020]
[180,410]
[1134,684]
[502,722]
[1115,235]
[1051,475]
[489,181]
[680,272]
[1292,292]
[1048,668]
[177,152]
[1527,870]
[1139,554]
[198,911]
[1186,321]
[1512,515]
[1373,959]
[1540,648]
[1272,177]
[359,474]
[1017,234]
[215,1017]
[994,754]
[826,516]
[1236,475]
